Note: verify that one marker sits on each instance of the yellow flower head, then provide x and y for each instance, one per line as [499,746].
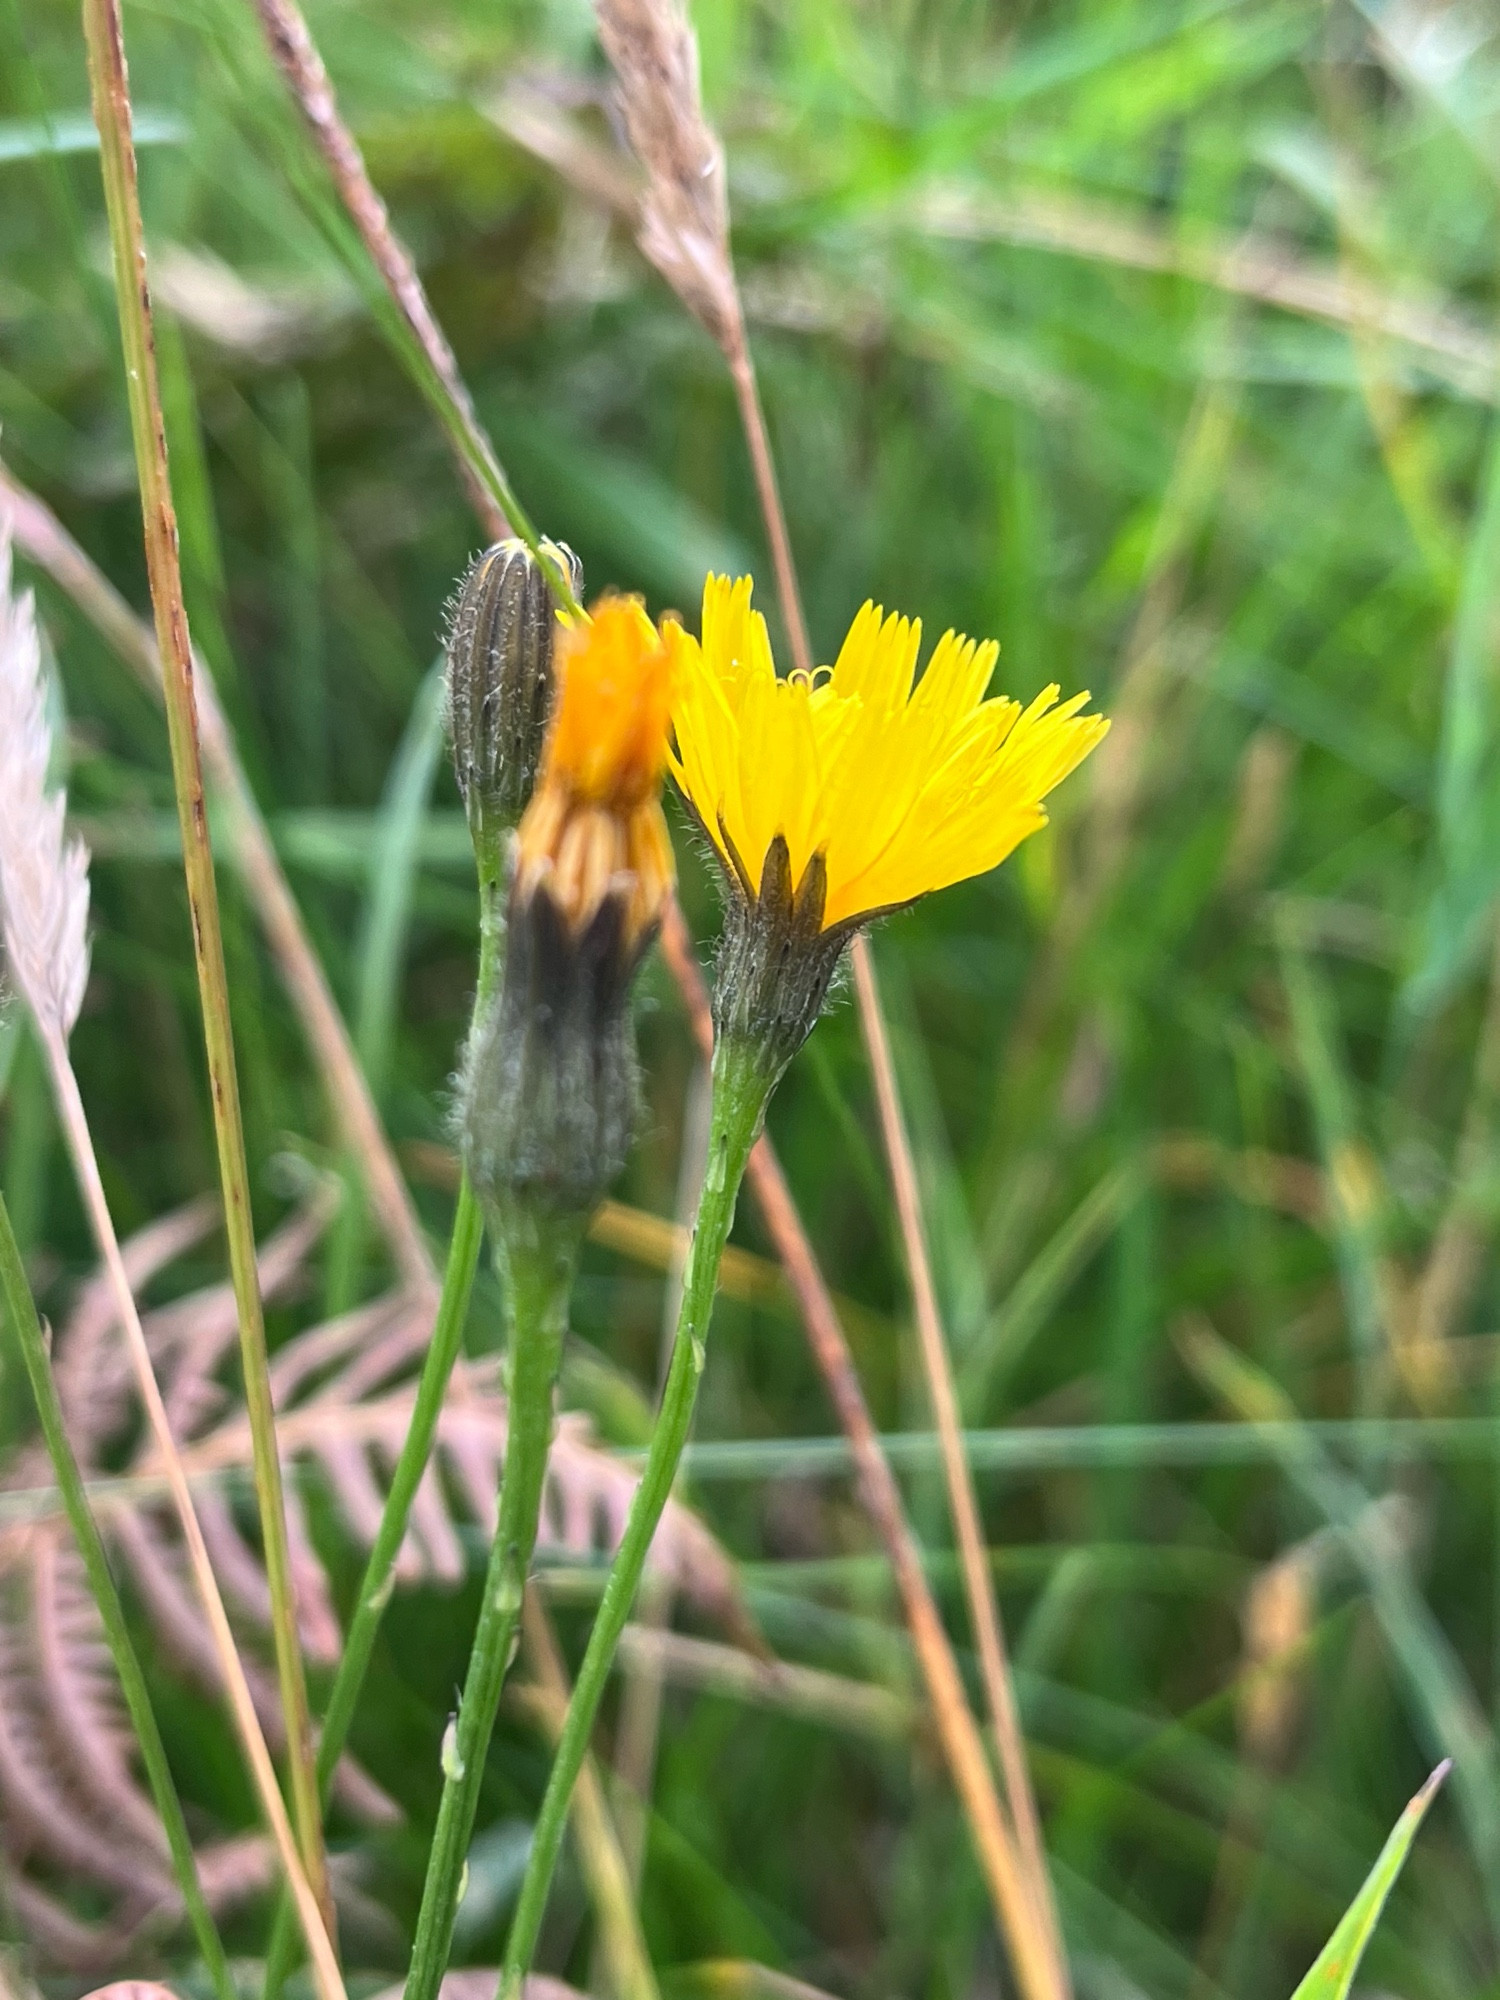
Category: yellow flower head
[896,786]
[594,824]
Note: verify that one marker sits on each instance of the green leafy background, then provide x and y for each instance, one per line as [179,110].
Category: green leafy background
[1154,339]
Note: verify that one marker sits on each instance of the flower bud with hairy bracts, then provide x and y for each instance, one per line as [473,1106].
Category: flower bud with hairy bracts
[549,1090]
[776,961]
[501,640]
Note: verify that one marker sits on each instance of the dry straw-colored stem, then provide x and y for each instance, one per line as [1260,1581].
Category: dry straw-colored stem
[757,437]
[298,59]
[963,1748]
[979,1582]
[47,543]
[984,1611]
[830,1701]
[86,1167]
[112,115]
[1252,267]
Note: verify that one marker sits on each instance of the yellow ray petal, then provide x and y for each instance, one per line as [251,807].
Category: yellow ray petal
[902,785]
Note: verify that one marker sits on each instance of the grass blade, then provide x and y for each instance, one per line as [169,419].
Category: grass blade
[1333,1971]
[394,857]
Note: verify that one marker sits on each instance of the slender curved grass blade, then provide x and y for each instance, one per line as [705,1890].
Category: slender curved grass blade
[394,860]
[1333,1972]
[10,1042]
[73,132]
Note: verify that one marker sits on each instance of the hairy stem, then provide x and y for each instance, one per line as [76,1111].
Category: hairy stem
[540,1257]
[741,1087]
[112,115]
[34,1353]
[957,1731]
[416,1449]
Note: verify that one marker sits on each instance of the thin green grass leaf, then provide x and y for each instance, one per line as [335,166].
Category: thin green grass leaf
[1009,1331]
[394,859]
[73,132]
[1333,1971]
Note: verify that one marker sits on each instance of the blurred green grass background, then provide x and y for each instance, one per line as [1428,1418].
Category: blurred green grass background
[1156,341]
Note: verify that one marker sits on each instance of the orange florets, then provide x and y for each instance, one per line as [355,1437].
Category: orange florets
[608,742]
[595,823]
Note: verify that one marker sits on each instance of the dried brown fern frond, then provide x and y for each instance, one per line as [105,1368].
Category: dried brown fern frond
[71,1806]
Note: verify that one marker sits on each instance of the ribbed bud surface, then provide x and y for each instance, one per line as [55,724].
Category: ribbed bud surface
[500,678]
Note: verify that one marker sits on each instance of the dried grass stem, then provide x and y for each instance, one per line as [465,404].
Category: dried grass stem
[979,1582]
[110,87]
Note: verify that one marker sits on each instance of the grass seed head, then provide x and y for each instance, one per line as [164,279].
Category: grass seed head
[684,222]
[44,874]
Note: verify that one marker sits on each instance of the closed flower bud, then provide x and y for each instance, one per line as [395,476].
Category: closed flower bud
[500,647]
[549,1092]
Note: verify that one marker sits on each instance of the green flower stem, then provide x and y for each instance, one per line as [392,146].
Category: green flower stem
[375,1589]
[447,1338]
[33,1344]
[540,1256]
[742,1083]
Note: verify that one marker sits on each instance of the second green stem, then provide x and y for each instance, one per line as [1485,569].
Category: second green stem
[540,1259]
[741,1086]
[447,1338]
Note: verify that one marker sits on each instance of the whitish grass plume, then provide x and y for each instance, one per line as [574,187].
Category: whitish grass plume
[44,880]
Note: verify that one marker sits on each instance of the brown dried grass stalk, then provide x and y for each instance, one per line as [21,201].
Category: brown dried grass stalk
[110,87]
[979,1582]
[957,1730]
[684,230]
